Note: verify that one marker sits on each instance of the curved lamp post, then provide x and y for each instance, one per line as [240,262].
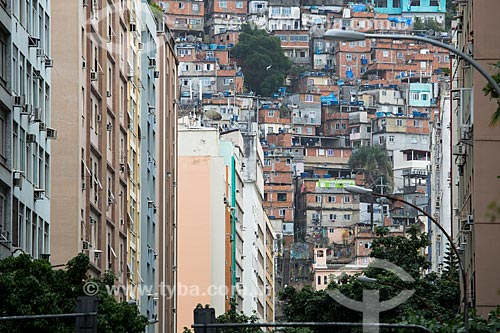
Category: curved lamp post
[367,191]
[352,36]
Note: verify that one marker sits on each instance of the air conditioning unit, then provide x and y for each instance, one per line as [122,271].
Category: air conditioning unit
[17,178]
[30,138]
[109,127]
[140,46]
[156,74]
[37,115]
[18,101]
[84,185]
[470,220]
[40,52]
[85,3]
[42,126]
[33,41]
[49,63]
[86,245]
[38,193]
[93,75]
[133,27]
[51,133]
[458,150]
[238,279]
[152,62]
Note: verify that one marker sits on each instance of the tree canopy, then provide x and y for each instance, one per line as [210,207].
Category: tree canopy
[374,162]
[435,303]
[33,287]
[262,60]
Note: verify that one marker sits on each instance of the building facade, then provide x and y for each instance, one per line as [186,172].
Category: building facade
[474,171]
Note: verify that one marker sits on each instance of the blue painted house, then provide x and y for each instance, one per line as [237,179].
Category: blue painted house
[422,9]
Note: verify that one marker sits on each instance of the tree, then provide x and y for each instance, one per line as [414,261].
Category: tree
[428,24]
[32,287]
[262,60]
[437,295]
[490,91]
[374,162]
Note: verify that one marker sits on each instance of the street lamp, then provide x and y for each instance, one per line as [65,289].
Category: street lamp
[352,36]
[365,191]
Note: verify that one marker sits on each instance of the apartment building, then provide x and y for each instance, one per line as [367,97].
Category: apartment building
[186,18]
[225,15]
[295,45]
[201,231]
[165,114]
[414,9]
[109,146]
[440,183]
[406,140]
[474,172]
[283,15]
[273,119]
[134,107]
[278,178]
[10,223]
[25,121]
[147,166]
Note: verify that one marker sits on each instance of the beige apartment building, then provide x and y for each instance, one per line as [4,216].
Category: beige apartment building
[474,176]
[98,103]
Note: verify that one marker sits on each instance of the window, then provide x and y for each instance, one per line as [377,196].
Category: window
[181,5]
[413,139]
[333,217]
[270,113]
[195,7]
[270,130]
[267,162]
[318,198]
[347,199]
[223,3]
[397,3]
[381,140]
[329,152]
[288,161]
[400,55]
[399,122]
[347,217]
[319,278]
[385,54]
[282,212]
[346,23]
[298,130]
[391,138]
[239,4]
[3,136]
[4,57]
[415,96]
[228,82]
[331,198]
[281,196]
[309,98]
[309,131]
[348,56]
[286,11]
[325,279]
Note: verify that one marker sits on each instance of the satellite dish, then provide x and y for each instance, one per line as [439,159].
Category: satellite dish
[212,114]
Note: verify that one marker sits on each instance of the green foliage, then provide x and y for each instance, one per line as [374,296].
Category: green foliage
[235,316]
[374,162]
[255,52]
[33,287]
[436,300]
[490,91]
[428,24]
